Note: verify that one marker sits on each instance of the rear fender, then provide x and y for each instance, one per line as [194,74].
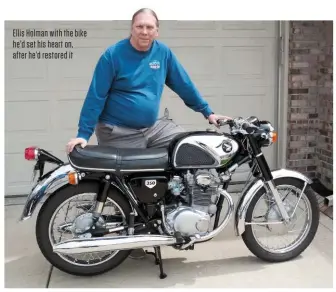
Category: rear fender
[252,189]
[52,183]
[49,185]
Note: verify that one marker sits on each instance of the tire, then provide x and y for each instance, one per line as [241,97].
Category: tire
[42,230]
[253,245]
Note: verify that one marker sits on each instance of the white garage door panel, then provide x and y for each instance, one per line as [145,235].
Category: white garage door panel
[22,85]
[16,142]
[247,29]
[244,105]
[253,27]
[75,67]
[73,95]
[27,116]
[71,84]
[248,61]
[198,60]
[18,173]
[13,95]
[233,64]
[179,25]
[23,69]
[213,41]
[249,65]
[67,119]
[234,106]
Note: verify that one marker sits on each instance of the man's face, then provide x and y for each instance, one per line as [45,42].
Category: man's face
[144,31]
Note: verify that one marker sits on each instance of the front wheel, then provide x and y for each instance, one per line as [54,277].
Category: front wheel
[269,239]
[70,209]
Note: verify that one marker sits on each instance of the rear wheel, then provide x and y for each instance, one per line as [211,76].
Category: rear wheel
[75,203]
[280,242]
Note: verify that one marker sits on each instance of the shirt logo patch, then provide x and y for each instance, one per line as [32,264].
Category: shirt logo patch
[154,65]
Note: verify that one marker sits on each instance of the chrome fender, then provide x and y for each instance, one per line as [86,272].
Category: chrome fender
[53,182]
[251,190]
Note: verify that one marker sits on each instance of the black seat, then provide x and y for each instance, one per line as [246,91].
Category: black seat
[105,158]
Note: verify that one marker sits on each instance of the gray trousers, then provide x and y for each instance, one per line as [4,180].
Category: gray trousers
[157,136]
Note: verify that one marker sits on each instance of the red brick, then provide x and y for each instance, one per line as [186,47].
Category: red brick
[299,65]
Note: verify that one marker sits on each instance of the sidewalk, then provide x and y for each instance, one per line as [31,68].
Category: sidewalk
[224,262]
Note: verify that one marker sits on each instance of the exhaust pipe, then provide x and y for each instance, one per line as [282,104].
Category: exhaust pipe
[101,244]
[83,245]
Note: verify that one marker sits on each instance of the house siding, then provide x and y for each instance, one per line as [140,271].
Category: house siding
[310,99]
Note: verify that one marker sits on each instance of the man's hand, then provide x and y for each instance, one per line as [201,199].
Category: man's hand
[213,119]
[73,142]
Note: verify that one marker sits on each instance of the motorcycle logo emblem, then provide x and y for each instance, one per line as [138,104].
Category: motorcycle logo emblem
[150,183]
[227,147]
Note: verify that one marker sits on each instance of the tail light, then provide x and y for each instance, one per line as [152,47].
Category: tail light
[31,153]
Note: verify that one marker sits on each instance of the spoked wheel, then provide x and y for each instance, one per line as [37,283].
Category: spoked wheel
[67,214]
[266,236]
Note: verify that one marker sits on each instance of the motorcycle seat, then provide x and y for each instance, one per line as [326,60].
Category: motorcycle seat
[111,159]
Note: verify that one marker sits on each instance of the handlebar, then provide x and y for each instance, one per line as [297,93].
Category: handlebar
[248,125]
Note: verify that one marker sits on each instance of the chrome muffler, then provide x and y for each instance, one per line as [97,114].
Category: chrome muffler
[83,245]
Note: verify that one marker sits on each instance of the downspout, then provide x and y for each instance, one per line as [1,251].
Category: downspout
[283,94]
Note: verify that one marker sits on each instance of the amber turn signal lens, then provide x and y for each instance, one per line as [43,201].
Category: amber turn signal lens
[73,178]
[274,136]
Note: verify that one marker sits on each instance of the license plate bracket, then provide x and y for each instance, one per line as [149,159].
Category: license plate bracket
[39,166]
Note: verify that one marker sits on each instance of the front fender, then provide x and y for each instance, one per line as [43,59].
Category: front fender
[251,190]
[53,182]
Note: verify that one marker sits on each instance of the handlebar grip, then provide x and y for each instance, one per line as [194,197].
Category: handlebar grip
[222,122]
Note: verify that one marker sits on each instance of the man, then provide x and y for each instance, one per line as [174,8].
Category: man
[123,100]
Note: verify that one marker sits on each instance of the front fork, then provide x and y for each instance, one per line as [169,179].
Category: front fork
[267,175]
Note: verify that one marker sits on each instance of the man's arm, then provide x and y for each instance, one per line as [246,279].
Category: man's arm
[95,100]
[179,81]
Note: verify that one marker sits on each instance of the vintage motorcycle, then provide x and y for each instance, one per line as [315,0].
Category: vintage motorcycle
[116,200]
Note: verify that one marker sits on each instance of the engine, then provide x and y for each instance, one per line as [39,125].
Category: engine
[197,194]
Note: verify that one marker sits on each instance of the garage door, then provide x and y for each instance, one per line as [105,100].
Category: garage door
[234,65]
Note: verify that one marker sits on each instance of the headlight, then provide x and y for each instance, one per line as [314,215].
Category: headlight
[269,136]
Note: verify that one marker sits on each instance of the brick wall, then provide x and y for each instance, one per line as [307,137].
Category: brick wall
[325,109]
[310,99]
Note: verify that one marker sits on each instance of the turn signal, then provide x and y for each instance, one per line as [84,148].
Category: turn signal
[274,136]
[73,178]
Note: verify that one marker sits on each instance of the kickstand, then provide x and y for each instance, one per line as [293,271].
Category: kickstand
[158,260]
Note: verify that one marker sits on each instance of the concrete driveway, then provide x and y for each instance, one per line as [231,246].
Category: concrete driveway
[224,262]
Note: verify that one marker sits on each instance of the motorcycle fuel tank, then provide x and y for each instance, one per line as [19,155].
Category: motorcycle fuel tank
[203,150]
